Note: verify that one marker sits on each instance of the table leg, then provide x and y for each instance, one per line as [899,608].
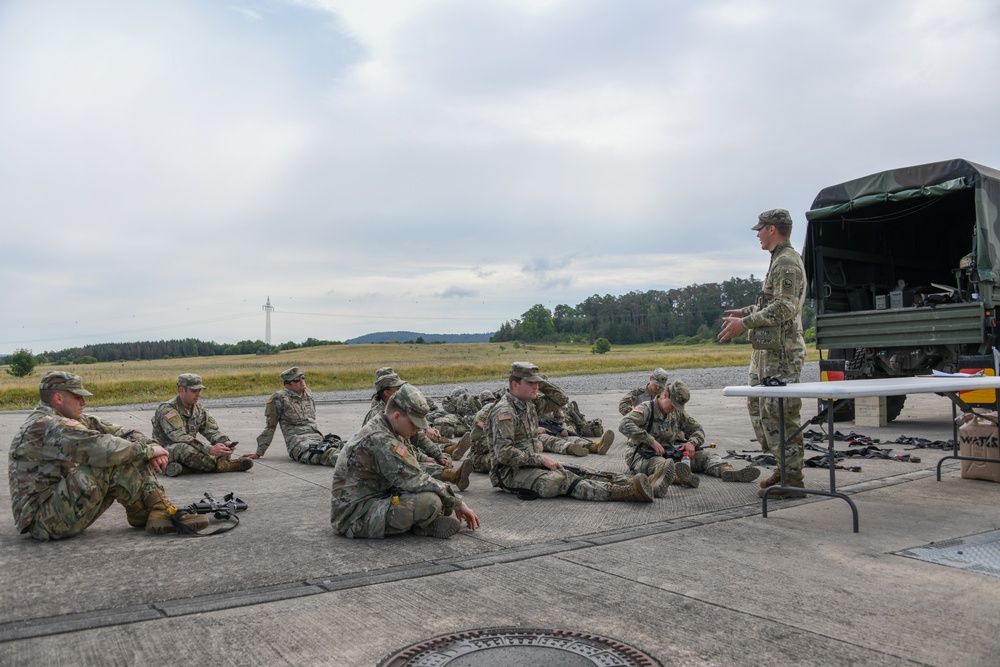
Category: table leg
[831,459]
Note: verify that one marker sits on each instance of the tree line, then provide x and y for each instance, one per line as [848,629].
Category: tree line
[163,349]
[686,314]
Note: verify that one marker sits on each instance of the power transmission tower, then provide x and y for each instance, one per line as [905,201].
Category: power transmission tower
[268,308]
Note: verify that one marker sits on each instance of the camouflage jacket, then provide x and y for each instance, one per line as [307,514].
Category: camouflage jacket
[375,465]
[420,442]
[173,424]
[647,422]
[49,446]
[634,398]
[294,413]
[781,299]
[512,432]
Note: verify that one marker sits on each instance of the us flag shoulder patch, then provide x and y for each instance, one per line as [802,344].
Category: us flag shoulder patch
[504,417]
[401,449]
[170,415]
[72,423]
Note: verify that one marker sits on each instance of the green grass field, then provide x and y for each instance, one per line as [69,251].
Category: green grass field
[353,367]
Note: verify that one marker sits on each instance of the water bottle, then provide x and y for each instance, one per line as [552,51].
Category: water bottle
[686,460]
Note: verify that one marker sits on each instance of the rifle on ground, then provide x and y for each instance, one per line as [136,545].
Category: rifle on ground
[222,511]
[556,427]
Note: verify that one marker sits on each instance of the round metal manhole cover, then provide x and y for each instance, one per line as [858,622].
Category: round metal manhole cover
[517,647]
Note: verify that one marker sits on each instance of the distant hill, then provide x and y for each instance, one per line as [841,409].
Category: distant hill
[403,336]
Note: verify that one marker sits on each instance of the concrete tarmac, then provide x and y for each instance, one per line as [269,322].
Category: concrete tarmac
[697,578]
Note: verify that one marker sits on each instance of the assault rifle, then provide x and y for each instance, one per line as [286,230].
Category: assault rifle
[229,506]
[555,427]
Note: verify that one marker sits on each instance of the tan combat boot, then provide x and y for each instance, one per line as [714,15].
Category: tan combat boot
[637,490]
[662,477]
[684,476]
[457,450]
[159,520]
[577,450]
[458,475]
[793,479]
[602,445]
[730,474]
[774,479]
[136,514]
[233,465]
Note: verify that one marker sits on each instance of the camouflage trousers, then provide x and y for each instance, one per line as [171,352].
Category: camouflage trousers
[193,458]
[308,452]
[766,414]
[432,469]
[386,517]
[85,493]
[558,445]
[705,460]
[552,483]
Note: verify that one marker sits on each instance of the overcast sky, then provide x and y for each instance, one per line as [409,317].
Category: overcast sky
[441,165]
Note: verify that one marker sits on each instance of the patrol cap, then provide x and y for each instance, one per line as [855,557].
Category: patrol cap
[190,381]
[659,377]
[679,394]
[63,381]
[386,370]
[525,370]
[412,402]
[776,216]
[487,396]
[293,374]
[388,380]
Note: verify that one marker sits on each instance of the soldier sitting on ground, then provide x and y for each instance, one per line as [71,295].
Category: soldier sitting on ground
[176,425]
[378,488]
[294,409]
[657,381]
[432,458]
[662,430]
[67,468]
[519,465]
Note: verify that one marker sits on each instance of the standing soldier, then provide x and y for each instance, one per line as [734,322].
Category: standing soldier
[774,324]
[294,409]
[176,425]
[520,467]
[67,468]
[657,381]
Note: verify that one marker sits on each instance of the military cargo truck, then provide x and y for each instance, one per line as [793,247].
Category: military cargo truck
[903,267]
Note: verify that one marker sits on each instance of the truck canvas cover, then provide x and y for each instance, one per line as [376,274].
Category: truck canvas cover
[905,193]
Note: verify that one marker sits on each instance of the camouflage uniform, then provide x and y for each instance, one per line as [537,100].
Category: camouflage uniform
[647,422]
[779,305]
[512,431]
[296,414]
[176,428]
[64,473]
[482,461]
[421,447]
[378,488]
[641,394]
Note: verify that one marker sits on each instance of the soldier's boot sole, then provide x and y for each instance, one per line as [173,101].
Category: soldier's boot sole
[685,477]
[174,469]
[661,478]
[462,447]
[458,475]
[604,444]
[441,528]
[748,474]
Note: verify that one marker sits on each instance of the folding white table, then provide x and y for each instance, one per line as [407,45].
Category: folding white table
[831,392]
